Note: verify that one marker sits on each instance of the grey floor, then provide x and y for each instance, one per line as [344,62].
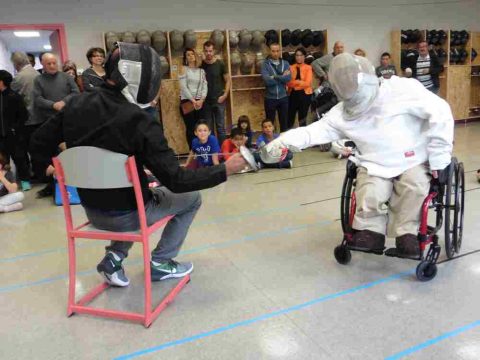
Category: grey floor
[265,285]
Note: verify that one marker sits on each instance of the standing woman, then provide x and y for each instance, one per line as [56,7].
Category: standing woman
[299,89]
[193,91]
[94,76]
[71,69]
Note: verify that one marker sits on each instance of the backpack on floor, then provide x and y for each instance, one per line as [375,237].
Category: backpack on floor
[72,195]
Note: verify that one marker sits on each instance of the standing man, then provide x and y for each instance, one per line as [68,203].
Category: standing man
[425,67]
[13,115]
[321,66]
[386,69]
[23,84]
[51,90]
[276,74]
[218,89]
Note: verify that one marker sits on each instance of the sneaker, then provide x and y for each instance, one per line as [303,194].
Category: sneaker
[45,192]
[112,270]
[26,185]
[169,269]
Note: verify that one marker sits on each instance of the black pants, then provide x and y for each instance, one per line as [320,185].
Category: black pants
[14,146]
[279,106]
[190,120]
[299,102]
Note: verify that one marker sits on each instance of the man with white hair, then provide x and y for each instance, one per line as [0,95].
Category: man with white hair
[403,134]
[23,84]
[51,90]
[321,65]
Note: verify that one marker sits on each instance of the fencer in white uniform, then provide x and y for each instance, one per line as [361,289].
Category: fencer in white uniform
[403,134]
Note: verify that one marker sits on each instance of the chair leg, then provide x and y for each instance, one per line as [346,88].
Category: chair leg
[71,275]
[148,283]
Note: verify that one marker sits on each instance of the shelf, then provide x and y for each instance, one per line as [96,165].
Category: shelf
[248,89]
[442,77]
[475,75]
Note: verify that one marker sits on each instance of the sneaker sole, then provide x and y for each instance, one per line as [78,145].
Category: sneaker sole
[171,276]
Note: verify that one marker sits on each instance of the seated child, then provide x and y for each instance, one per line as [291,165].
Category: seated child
[265,137]
[244,124]
[232,145]
[205,148]
[10,198]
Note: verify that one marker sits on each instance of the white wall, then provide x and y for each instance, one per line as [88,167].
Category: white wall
[362,23]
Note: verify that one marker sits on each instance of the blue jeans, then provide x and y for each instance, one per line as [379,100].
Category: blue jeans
[279,106]
[153,112]
[215,116]
[182,206]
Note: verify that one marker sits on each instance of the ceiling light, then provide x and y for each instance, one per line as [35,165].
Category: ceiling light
[47,47]
[26,33]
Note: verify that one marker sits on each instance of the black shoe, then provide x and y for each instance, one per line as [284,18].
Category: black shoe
[408,246]
[45,192]
[367,240]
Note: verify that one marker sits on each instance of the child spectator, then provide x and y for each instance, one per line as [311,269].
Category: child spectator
[232,145]
[10,199]
[385,70]
[244,124]
[268,135]
[205,148]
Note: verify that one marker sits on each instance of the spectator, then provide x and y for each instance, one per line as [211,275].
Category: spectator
[385,70]
[70,68]
[205,148]
[276,74]
[232,145]
[193,92]
[51,91]
[243,124]
[321,66]
[13,115]
[94,76]
[31,59]
[218,89]
[300,89]
[268,134]
[425,67]
[360,52]
[10,198]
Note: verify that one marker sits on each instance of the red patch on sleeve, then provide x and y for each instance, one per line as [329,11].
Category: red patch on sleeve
[409,154]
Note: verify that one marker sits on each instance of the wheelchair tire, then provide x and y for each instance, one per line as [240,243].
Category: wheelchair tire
[459,207]
[342,255]
[426,271]
[451,199]
[345,201]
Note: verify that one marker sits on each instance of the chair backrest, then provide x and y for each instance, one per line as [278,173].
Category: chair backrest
[94,168]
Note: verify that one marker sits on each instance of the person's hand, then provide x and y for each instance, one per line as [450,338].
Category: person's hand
[200,103]
[222,99]
[2,174]
[154,103]
[425,71]
[235,163]
[286,72]
[59,105]
[50,170]
[347,152]
[62,146]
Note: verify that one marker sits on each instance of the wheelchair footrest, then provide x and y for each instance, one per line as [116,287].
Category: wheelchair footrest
[365,250]
[393,252]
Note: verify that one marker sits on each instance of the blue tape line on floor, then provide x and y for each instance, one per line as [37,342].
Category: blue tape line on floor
[264,316]
[217,220]
[138,261]
[433,341]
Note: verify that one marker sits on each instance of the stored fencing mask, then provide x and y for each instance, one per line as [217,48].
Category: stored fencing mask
[354,82]
[136,71]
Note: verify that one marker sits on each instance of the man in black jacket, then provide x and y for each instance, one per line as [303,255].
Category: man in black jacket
[425,67]
[109,119]
[13,114]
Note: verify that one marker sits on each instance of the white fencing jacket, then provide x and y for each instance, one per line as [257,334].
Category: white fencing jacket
[407,125]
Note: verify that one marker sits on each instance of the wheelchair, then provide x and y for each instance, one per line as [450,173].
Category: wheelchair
[446,199]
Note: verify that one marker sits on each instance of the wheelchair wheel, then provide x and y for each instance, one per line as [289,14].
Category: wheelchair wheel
[454,208]
[342,255]
[346,199]
[459,207]
[426,271]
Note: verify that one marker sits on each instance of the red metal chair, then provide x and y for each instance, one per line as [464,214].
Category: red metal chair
[95,168]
